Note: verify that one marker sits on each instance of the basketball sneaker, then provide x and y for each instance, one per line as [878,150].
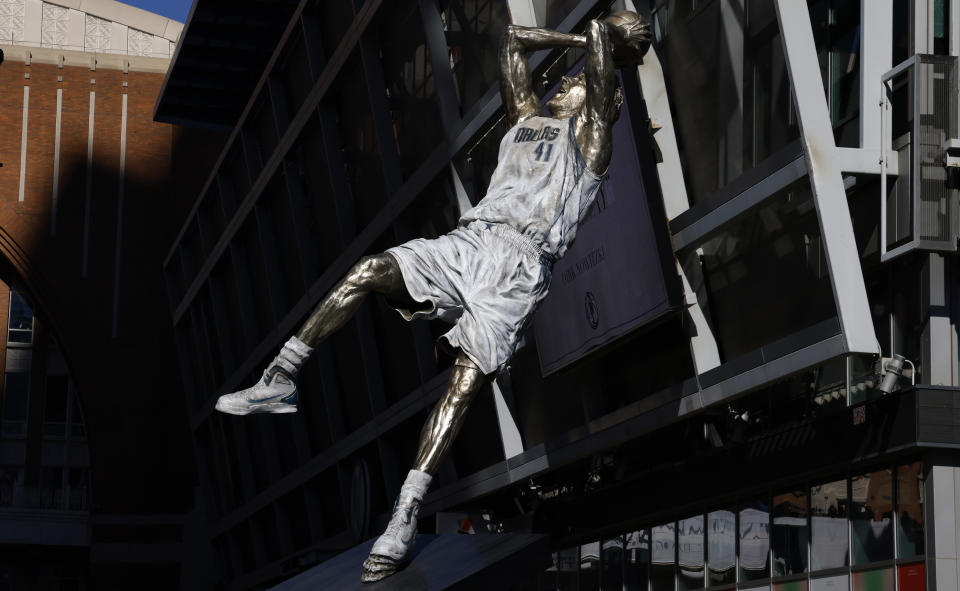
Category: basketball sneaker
[391,549]
[276,392]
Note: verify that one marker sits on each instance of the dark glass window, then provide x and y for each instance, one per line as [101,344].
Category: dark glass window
[411,86]
[751,269]
[55,406]
[554,11]
[663,557]
[16,392]
[754,534]
[590,567]
[473,30]
[476,164]
[728,85]
[76,417]
[20,323]
[869,580]
[941,27]
[690,541]
[829,547]
[361,153]
[611,563]
[789,540]
[722,546]
[568,564]
[836,32]
[51,488]
[295,75]
[636,565]
[11,486]
[910,510]
[79,489]
[871,516]
[310,171]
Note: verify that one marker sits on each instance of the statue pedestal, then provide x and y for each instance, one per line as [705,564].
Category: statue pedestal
[447,561]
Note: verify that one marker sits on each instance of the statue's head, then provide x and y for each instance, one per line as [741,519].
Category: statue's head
[571,95]
[635,32]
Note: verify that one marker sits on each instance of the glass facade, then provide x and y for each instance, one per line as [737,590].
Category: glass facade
[381,156]
[768,259]
[728,85]
[767,536]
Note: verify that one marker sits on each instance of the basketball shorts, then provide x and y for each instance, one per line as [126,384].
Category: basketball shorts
[484,278]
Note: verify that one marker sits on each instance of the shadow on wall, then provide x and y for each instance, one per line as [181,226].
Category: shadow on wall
[96,277]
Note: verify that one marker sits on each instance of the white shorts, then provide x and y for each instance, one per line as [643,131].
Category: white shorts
[487,283]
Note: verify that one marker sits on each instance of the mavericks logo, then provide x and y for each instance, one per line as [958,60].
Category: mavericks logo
[592,309]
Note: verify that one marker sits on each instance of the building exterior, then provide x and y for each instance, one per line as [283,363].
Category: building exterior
[798,216]
[96,475]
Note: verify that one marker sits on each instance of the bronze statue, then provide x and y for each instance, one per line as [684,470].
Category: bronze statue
[489,274]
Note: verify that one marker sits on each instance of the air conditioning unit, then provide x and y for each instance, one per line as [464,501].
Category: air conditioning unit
[920,209]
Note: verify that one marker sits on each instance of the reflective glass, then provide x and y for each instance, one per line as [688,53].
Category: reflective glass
[722,546]
[880,579]
[828,521]
[800,585]
[911,577]
[910,510]
[16,392]
[690,542]
[411,85]
[871,516]
[789,542]
[473,29]
[361,152]
[768,260]
[611,563]
[728,85]
[834,583]
[20,322]
[568,564]
[636,566]
[754,534]
[590,567]
[663,557]
[836,26]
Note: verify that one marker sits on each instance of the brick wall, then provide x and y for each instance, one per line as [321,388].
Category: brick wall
[128,382]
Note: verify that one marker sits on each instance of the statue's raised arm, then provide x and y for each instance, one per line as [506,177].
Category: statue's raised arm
[516,84]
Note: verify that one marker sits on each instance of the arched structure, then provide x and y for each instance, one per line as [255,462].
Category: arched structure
[87,195]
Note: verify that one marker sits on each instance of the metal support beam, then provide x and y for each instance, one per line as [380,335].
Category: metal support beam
[826,179]
[875,43]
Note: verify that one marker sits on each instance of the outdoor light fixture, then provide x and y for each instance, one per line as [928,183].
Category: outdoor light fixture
[894,369]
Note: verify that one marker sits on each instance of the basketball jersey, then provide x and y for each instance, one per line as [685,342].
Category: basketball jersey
[541,186]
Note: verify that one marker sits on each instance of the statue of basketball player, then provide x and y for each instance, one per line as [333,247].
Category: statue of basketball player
[488,275]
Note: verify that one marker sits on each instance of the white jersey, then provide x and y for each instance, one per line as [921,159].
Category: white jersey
[541,187]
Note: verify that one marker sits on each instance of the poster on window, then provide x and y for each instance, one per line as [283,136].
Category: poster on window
[754,539]
[663,551]
[612,278]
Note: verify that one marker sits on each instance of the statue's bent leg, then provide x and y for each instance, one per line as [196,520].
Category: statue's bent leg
[379,273]
[437,435]
[276,392]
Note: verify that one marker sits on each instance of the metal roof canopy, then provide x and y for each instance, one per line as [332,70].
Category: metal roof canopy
[219,59]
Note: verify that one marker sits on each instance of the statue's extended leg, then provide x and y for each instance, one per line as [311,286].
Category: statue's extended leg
[437,435]
[276,392]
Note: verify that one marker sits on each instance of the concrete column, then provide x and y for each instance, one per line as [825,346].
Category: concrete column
[32,15]
[75,30]
[938,336]
[118,38]
[942,486]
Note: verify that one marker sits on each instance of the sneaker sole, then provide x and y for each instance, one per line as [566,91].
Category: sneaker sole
[263,407]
